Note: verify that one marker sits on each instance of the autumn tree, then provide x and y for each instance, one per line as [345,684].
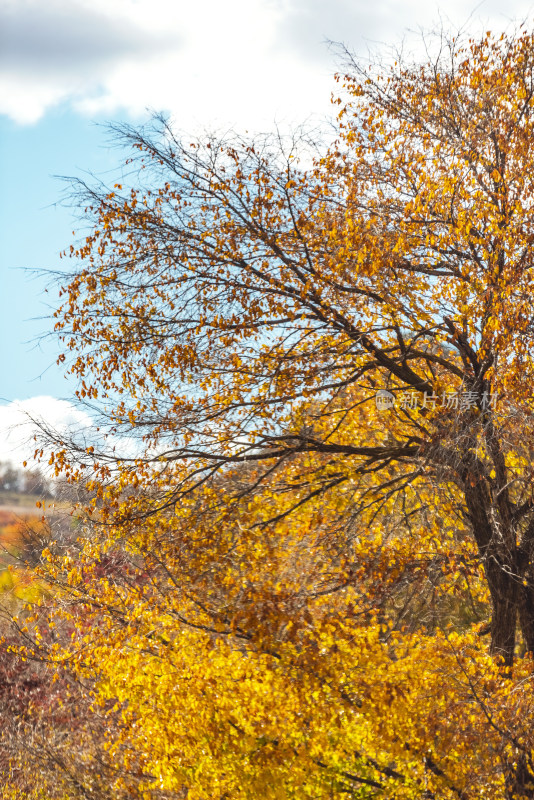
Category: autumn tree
[321,381]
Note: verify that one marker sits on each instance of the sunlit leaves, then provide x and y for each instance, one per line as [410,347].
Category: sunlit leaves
[286,588]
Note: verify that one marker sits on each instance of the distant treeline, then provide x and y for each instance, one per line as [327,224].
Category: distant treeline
[26,481]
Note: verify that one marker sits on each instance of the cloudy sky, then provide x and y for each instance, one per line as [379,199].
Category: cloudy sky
[68,66]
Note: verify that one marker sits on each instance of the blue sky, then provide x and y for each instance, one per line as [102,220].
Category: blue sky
[34,227]
[67,65]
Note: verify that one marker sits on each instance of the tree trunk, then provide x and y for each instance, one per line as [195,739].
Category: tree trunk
[498,551]
[520,781]
[504,595]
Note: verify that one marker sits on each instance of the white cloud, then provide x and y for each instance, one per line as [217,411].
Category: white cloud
[18,425]
[69,49]
[241,62]
[307,23]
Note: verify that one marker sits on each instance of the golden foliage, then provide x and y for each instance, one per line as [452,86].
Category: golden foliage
[285,588]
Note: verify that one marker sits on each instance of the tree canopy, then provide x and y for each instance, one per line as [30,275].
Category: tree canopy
[310,566]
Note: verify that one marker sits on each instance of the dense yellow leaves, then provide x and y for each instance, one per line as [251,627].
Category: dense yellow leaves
[289,659]
[279,702]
